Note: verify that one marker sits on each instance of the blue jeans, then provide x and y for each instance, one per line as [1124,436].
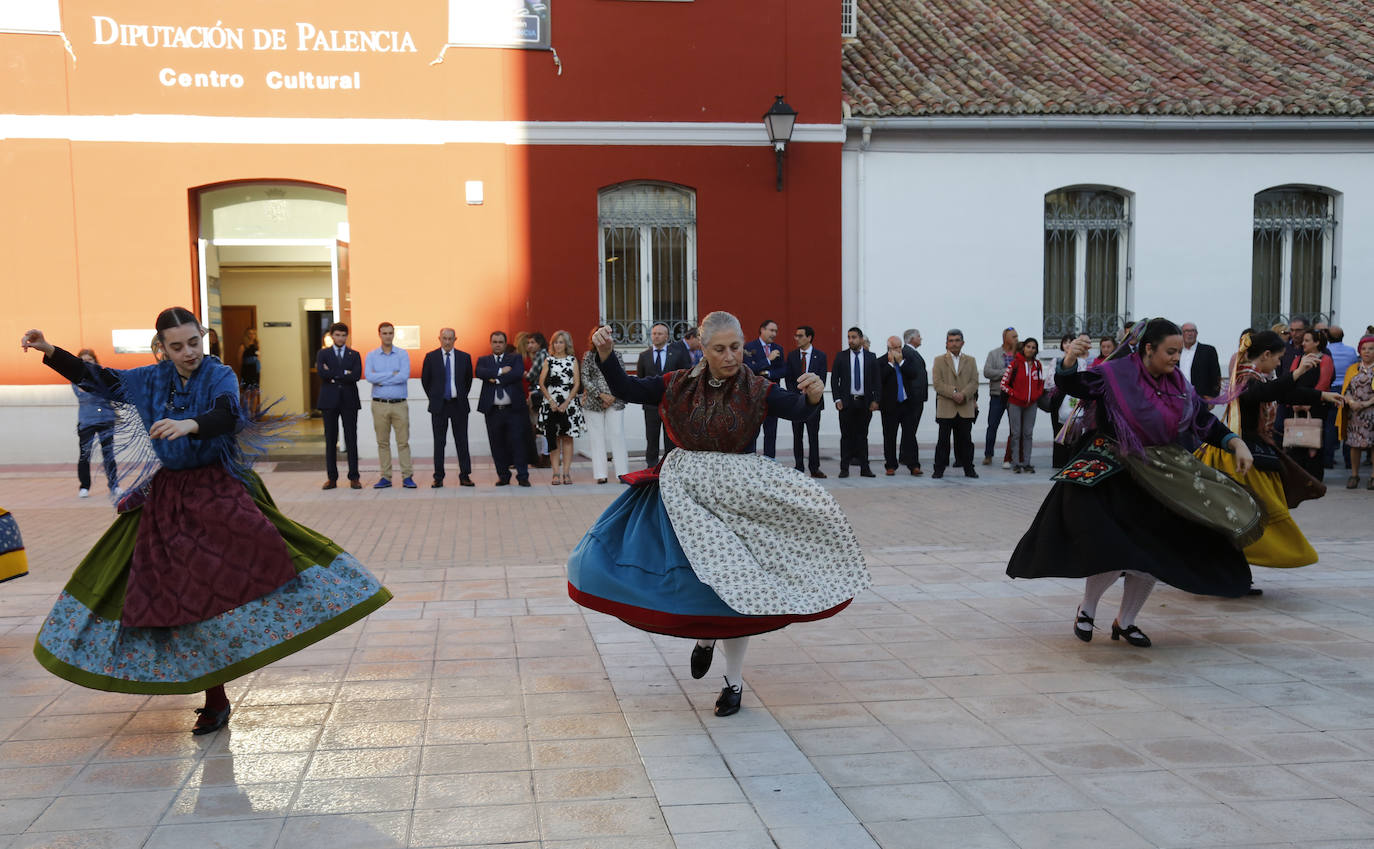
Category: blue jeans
[997,407]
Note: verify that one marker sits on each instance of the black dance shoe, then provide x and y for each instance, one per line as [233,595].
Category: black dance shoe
[1086,635]
[217,720]
[1130,634]
[701,659]
[728,703]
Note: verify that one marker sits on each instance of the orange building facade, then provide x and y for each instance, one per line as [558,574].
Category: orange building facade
[299,162]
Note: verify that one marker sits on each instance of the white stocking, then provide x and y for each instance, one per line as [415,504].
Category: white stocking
[1138,588]
[734,660]
[1093,588]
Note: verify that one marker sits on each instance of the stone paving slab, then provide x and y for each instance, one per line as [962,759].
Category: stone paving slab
[949,706]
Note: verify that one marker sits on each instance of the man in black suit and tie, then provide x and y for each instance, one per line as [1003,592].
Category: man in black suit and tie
[854,383]
[339,368]
[658,359]
[502,402]
[806,358]
[1198,363]
[446,376]
[918,389]
[765,357]
[895,402]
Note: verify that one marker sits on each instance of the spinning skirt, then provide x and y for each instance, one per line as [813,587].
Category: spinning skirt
[84,640]
[1283,544]
[13,562]
[777,545]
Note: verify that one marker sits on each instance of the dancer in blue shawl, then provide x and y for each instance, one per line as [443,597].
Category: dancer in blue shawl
[200,579]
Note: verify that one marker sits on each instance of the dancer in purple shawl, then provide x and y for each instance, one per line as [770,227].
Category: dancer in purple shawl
[1130,497]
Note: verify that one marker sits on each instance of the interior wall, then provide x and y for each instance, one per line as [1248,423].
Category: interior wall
[277,293]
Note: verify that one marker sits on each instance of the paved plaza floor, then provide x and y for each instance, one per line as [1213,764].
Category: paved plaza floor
[948,707]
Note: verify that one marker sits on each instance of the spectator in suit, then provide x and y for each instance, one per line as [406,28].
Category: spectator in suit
[502,402]
[896,374]
[446,376]
[1198,363]
[339,368]
[996,365]
[765,357]
[1293,350]
[855,383]
[807,358]
[387,368]
[955,377]
[692,339]
[918,389]
[658,359]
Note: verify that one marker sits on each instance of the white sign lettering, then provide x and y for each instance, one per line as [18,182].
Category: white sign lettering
[309,38]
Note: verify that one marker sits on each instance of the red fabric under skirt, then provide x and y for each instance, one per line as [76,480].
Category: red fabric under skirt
[203,548]
[697,627]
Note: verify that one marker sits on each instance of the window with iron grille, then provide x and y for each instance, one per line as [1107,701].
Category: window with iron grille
[1087,261]
[1292,267]
[849,18]
[648,259]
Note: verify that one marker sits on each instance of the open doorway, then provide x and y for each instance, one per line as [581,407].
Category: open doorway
[272,256]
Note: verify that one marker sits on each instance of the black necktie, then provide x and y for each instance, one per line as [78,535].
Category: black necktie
[658,359]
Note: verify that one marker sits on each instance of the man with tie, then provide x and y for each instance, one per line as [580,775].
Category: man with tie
[855,383]
[955,377]
[918,389]
[339,368]
[897,373]
[765,357]
[806,358]
[446,376]
[502,402]
[658,359]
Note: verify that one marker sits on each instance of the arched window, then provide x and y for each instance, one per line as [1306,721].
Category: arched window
[648,259]
[1087,261]
[1293,261]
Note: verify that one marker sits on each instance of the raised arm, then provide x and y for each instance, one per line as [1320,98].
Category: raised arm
[637,390]
[89,376]
[793,406]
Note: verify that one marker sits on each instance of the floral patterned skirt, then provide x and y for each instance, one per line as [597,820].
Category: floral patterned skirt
[13,562]
[84,641]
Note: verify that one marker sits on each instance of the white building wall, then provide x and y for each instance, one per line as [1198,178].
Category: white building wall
[946,230]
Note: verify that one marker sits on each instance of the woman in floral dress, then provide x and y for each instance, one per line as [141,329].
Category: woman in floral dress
[1357,417]
[560,417]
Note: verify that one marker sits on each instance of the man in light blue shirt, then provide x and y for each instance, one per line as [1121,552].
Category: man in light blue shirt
[388,370]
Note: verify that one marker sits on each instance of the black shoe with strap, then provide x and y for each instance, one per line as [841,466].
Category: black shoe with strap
[701,659]
[1084,634]
[209,722]
[728,703]
[1130,634]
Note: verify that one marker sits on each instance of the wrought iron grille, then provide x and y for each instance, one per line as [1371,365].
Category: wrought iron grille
[1290,261]
[849,18]
[648,260]
[1086,235]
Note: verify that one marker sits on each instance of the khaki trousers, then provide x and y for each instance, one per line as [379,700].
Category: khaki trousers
[385,418]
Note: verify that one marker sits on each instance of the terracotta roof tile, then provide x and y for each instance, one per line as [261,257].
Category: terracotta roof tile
[1111,57]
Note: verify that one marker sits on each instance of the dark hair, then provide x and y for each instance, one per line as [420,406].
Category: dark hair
[1029,340]
[1305,323]
[175,317]
[338,325]
[1265,342]
[1318,335]
[84,351]
[541,341]
[766,322]
[690,333]
[1155,332]
[808,330]
[855,330]
[496,333]
[1335,333]
[1067,337]
[385,324]
[1111,339]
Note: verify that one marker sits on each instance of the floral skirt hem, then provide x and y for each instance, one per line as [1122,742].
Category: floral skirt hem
[1282,545]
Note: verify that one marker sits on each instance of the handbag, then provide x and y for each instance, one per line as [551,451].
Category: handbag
[1298,484]
[1049,401]
[1302,432]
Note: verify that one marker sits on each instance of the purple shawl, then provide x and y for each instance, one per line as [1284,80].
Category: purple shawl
[1146,410]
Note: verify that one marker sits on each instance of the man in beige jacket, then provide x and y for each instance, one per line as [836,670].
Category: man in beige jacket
[955,378]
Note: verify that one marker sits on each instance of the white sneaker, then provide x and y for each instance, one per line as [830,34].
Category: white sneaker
[1006,465]
[83,492]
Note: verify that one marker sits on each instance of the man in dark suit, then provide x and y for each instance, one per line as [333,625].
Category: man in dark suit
[658,359]
[502,402]
[918,390]
[339,368]
[895,402]
[806,358]
[1199,363]
[446,376]
[765,357]
[854,383]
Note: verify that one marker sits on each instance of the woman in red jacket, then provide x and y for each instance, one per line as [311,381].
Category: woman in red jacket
[1022,385]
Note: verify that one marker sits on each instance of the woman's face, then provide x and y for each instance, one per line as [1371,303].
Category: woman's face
[87,358]
[182,346]
[1108,347]
[558,347]
[1309,343]
[1030,350]
[723,353]
[1367,353]
[1162,359]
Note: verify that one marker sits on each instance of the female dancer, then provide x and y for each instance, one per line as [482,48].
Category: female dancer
[716,543]
[13,562]
[200,579]
[1251,413]
[560,416]
[1357,418]
[1133,495]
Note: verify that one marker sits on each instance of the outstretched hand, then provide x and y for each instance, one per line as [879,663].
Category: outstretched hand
[172,429]
[35,339]
[1244,459]
[812,387]
[604,341]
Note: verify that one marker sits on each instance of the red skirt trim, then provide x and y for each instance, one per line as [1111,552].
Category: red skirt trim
[696,627]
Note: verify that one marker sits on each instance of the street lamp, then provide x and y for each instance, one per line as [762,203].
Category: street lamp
[779,121]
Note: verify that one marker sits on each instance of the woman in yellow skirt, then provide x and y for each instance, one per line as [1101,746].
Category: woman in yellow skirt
[1256,394]
[13,562]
